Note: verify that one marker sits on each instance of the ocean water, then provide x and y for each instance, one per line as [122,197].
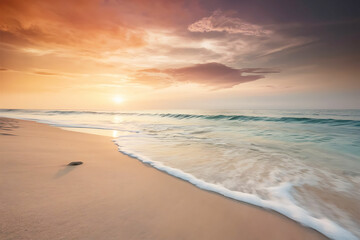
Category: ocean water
[304,164]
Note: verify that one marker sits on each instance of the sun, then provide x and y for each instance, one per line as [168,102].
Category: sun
[118,99]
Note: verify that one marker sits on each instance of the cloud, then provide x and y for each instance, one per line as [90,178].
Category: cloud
[88,27]
[131,35]
[85,26]
[37,72]
[211,74]
[220,22]
[261,70]
[106,24]
[46,73]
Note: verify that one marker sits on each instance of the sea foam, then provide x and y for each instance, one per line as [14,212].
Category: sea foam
[287,208]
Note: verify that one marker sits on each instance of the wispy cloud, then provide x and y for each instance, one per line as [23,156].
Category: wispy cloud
[221,22]
[46,73]
[89,27]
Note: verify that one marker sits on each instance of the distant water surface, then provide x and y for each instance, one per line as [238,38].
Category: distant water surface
[304,164]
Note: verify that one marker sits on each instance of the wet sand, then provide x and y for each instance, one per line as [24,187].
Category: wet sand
[112,196]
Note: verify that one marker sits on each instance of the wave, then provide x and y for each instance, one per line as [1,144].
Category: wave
[74,125]
[245,118]
[289,208]
[240,118]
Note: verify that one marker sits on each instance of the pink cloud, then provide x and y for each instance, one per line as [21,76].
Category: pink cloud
[220,22]
[210,74]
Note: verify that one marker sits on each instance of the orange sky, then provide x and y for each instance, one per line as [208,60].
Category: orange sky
[168,54]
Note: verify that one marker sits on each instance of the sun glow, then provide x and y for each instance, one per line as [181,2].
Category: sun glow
[118,99]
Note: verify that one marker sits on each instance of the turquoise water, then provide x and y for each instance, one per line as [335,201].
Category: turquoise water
[304,164]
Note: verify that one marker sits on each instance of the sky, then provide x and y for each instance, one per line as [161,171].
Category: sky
[179,54]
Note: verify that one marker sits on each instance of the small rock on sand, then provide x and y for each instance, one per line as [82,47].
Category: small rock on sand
[75,163]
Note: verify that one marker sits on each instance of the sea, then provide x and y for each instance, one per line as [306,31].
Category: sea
[303,164]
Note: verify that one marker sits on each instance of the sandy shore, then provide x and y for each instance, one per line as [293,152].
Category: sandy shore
[111,196]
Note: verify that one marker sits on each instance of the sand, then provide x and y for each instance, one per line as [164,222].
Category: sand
[112,196]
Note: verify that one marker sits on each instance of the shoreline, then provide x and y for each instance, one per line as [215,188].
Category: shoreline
[112,196]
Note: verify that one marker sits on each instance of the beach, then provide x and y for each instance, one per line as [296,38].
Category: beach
[112,196]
